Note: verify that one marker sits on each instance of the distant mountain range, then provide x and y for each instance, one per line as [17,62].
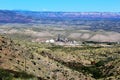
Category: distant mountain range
[9,16]
[96,20]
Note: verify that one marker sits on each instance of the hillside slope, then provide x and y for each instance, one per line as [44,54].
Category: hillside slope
[16,57]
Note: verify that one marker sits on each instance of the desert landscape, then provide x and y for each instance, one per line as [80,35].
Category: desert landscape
[59,45]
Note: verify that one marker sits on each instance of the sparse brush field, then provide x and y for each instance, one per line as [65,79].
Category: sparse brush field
[51,62]
[90,60]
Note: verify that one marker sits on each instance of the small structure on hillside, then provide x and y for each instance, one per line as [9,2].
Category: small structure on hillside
[61,39]
[50,41]
[65,41]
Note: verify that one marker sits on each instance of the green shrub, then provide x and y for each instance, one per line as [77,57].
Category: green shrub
[94,71]
[9,75]
[23,75]
[5,75]
[100,63]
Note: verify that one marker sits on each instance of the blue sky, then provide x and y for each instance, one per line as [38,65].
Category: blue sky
[62,5]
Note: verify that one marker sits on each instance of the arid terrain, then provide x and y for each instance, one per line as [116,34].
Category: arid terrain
[59,46]
[34,31]
[48,62]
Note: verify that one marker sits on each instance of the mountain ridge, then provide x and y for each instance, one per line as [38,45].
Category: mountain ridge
[16,16]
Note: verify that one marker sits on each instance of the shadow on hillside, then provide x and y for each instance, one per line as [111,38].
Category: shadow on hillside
[6,74]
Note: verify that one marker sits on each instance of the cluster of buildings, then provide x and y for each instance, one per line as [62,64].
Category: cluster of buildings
[58,41]
[67,42]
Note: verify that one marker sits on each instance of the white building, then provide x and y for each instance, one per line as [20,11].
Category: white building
[50,41]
